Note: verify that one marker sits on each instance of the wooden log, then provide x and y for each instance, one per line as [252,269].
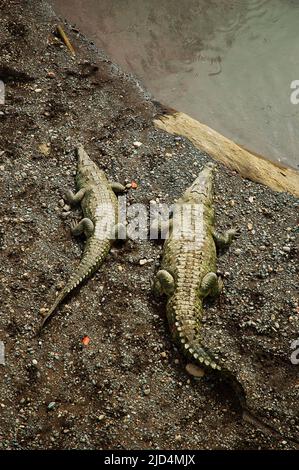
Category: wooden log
[246,163]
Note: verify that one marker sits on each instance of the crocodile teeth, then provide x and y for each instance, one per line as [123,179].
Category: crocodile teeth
[187,346]
[183,341]
[195,355]
[177,323]
[191,351]
[207,363]
[213,365]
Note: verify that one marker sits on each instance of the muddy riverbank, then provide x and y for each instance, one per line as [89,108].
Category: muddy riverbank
[228,64]
[128,388]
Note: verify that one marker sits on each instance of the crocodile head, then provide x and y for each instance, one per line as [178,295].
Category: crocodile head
[86,167]
[201,189]
[83,158]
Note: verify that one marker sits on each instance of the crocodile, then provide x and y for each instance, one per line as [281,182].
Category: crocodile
[98,198]
[188,275]
[188,268]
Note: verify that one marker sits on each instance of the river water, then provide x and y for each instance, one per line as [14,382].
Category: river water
[228,63]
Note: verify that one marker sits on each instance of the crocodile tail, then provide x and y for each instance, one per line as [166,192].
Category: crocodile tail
[205,359]
[94,253]
[55,305]
[184,322]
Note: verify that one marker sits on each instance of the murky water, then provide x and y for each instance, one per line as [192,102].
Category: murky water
[227,63]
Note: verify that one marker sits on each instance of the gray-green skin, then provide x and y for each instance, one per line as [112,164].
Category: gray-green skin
[100,223]
[187,273]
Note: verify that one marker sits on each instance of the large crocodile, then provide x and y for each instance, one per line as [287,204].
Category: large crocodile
[100,223]
[187,276]
[188,267]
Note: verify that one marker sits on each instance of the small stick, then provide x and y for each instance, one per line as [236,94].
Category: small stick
[66,40]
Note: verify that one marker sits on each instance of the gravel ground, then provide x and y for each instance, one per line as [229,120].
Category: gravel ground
[128,388]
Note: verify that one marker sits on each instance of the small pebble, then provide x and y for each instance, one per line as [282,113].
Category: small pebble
[194,370]
[51,405]
[44,149]
[137,144]
[286,249]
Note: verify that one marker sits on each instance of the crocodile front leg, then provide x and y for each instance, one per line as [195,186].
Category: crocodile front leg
[74,199]
[211,285]
[85,226]
[164,283]
[117,188]
[223,241]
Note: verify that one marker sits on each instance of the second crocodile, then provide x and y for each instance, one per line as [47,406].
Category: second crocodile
[187,273]
[100,223]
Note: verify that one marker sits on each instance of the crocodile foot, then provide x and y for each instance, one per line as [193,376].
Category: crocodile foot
[85,226]
[223,241]
[118,188]
[211,285]
[72,198]
[164,283]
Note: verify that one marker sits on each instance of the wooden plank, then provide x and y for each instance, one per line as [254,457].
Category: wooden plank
[247,164]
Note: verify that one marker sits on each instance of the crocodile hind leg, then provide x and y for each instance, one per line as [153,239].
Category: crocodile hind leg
[85,226]
[224,241]
[74,199]
[163,283]
[211,285]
